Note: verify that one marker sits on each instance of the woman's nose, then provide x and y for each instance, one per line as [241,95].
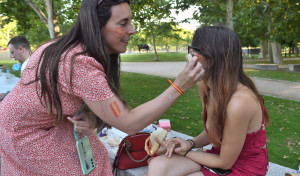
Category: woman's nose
[131,30]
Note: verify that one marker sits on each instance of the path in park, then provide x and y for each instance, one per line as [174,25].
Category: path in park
[281,89]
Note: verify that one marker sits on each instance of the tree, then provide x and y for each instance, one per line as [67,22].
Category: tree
[4,32]
[214,12]
[251,24]
[152,16]
[33,15]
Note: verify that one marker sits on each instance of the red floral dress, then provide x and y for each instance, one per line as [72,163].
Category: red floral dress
[30,142]
[253,159]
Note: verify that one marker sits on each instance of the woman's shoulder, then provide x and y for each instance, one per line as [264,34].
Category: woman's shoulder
[243,103]
[81,59]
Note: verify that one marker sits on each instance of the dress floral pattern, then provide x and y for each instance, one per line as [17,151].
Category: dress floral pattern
[30,142]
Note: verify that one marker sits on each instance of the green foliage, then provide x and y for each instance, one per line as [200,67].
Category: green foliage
[251,22]
[153,18]
[186,115]
[29,23]
[210,12]
[6,29]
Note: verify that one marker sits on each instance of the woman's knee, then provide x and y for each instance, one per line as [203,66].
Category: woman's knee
[157,165]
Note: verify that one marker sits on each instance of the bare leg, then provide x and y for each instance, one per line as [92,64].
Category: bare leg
[174,166]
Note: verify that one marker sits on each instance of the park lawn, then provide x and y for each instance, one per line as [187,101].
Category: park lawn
[186,115]
[150,57]
[278,75]
[8,64]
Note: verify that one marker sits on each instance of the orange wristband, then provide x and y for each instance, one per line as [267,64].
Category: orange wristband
[180,91]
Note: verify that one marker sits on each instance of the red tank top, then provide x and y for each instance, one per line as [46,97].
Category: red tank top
[253,159]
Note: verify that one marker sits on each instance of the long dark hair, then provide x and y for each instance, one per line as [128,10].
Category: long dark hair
[86,32]
[221,49]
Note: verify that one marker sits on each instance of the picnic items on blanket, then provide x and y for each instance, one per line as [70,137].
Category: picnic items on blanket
[131,152]
[165,124]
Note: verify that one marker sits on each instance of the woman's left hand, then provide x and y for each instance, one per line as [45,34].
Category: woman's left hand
[81,122]
[177,145]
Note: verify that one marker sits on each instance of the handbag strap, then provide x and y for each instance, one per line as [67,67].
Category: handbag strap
[128,149]
[116,161]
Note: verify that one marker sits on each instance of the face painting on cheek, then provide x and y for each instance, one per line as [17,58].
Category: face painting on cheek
[115,109]
[119,31]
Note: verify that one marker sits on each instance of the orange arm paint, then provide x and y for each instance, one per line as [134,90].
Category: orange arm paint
[115,109]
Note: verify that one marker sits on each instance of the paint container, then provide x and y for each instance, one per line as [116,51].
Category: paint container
[165,124]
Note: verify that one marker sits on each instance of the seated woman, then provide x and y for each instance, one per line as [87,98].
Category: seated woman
[233,112]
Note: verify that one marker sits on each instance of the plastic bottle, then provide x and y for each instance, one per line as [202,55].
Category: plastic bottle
[8,73]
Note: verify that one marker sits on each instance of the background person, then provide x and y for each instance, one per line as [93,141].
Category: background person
[81,67]
[233,112]
[19,48]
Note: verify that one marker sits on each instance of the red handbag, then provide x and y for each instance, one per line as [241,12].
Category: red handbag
[131,152]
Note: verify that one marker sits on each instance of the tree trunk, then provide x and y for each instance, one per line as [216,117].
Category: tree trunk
[296,51]
[270,53]
[51,21]
[154,45]
[229,10]
[49,9]
[56,26]
[167,48]
[263,49]
[177,48]
[276,49]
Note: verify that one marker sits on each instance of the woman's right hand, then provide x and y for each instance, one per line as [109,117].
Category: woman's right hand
[190,75]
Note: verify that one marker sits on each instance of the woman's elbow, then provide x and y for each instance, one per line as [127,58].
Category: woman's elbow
[226,166]
[130,130]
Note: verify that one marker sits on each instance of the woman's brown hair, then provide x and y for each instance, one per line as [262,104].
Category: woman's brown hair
[86,32]
[222,51]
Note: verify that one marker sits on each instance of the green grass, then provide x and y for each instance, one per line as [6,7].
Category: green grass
[8,64]
[278,75]
[186,115]
[150,57]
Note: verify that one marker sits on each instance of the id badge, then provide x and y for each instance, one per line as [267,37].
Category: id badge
[85,154]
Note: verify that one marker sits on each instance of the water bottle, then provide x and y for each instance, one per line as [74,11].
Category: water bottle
[7,73]
[8,76]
